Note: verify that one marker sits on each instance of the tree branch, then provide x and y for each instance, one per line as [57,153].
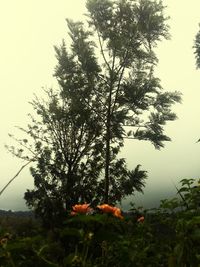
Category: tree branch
[131,125]
[11,180]
[102,52]
[121,68]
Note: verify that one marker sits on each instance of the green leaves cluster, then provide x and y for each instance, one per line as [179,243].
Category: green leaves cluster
[197,49]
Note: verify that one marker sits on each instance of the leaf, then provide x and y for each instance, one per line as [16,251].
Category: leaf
[183,189]
[196,234]
[179,251]
[187,181]
[71,232]
[107,235]
[129,133]
[100,218]
[196,220]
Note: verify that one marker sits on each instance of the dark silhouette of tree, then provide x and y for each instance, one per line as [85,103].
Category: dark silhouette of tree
[127,31]
[99,103]
[197,53]
[197,48]
[65,148]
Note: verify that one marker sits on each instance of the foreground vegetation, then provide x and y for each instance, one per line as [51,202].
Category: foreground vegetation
[102,236]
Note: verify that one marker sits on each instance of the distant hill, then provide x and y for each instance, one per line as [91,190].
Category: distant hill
[12,213]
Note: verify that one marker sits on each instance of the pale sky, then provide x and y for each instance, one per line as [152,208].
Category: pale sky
[30,28]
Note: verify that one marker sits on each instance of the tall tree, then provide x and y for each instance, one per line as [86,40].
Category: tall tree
[197,48]
[127,31]
[197,53]
[63,143]
[99,103]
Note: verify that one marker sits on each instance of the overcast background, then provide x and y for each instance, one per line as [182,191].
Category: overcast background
[30,28]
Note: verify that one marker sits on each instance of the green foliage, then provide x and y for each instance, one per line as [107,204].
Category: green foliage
[107,92]
[188,233]
[19,226]
[197,49]
[168,236]
[190,194]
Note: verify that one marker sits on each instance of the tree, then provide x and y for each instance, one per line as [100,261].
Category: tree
[63,144]
[197,53]
[99,103]
[197,48]
[127,32]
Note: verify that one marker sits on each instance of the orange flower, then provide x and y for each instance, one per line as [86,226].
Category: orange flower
[140,219]
[81,208]
[110,209]
[106,208]
[117,213]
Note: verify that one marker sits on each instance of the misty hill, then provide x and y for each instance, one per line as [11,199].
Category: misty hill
[12,213]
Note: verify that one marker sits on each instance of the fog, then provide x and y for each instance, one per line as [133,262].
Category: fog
[29,30]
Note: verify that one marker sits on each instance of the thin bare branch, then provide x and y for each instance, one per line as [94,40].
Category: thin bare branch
[15,176]
[132,125]
[102,52]
[122,69]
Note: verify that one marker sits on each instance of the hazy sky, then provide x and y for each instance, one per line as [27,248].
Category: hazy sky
[30,28]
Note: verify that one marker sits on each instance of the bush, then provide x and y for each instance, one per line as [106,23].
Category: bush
[167,236]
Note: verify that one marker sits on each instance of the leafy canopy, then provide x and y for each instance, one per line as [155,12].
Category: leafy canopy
[107,93]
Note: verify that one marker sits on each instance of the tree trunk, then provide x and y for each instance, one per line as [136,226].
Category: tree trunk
[107,160]
[107,164]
